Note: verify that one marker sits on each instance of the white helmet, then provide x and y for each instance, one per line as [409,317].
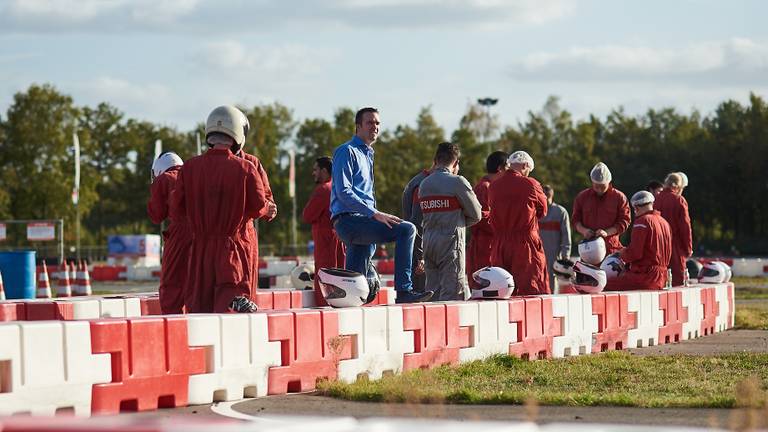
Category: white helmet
[164,162]
[345,288]
[589,279]
[230,121]
[613,266]
[592,251]
[728,271]
[303,276]
[563,269]
[712,272]
[494,282]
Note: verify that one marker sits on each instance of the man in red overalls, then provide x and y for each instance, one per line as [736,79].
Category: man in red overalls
[602,210]
[517,203]
[219,193]
[481,234]
[674,209]
[329,250]
[176,237]
[649,249]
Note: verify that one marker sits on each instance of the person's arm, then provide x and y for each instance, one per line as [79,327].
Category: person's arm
[623,218]
[634,252]
[314,208]
[565,235]
[578,215]
[157,206]
[407,200]
[540,200]
[684,229]
[343,186]
[178,200]
[469,204]
[271,205]
[255,197]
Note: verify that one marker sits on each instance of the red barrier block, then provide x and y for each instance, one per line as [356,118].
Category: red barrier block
[765,269]
[711,310]
[50,310]
[150,306]
[613,322]
[151,364]
[382,298]
[535,327]
[311,348]
[671,303]
[13,311]
[437,336]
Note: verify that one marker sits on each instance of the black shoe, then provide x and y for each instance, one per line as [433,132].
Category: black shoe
[242,304]
[413,297]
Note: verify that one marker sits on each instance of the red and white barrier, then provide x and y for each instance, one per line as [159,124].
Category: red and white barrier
[143,363]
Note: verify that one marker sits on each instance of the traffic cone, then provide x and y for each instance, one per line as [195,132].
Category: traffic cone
[43,284]
[63,289]
[2,290]
[83,285]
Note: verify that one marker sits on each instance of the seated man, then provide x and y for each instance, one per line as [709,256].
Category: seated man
[449,206]
[649,250]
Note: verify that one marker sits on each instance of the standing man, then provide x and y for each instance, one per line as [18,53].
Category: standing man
[602,210]
[219,193]
[329,251]
[449,206]
[479,253]
[555,230]
[249,231]
[353,210]
[517,203]
[674,209]
[176,238]
[649,249]
[412,214]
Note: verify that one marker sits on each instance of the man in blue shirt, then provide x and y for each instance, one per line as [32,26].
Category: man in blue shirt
[353,209]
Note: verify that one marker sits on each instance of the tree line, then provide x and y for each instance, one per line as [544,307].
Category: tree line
[724,153]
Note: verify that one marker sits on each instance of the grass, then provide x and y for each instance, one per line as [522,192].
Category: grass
[749,288]
[753,317]
[608,379]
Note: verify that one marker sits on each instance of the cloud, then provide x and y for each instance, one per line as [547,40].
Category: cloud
[284,61]
[239,16]
[121,93]
[735,61]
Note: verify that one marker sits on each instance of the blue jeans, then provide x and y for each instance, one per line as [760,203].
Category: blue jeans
[360,235]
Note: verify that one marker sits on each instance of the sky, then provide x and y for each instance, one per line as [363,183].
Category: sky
[172,61]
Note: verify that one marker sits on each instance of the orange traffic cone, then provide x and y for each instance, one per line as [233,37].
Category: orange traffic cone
[83,284]
[63,289]
[43,284]
[2,290]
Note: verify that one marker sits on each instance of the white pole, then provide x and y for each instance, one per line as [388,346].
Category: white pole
[76,192]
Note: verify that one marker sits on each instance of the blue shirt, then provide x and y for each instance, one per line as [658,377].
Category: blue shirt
[352,186]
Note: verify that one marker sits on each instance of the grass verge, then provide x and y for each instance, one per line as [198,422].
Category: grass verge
[752,318]
[750,288]
[608,379]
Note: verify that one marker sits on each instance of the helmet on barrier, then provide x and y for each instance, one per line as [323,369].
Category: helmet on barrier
[164,162]
[613,266]
[344,288]
[494,282]
[230,121]
[592,251]
[563,269]
[589,279]
[694,267]
[728,271]
[303,276]
[712,272]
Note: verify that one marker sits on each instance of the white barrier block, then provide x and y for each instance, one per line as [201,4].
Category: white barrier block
[732,291]
[749,267]
[86,308]
[692,302]
[119,307]
[380,341]
[578,325]
[721,297]
[278,268]
[308,299]
[238,358]
[649,318]
[51,367]
[490,330]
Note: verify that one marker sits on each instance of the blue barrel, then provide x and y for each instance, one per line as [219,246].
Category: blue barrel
[18,270]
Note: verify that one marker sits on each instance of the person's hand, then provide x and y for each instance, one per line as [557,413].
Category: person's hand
[419,267]
[588,233]
[387,219]
[271,211]
[601,233]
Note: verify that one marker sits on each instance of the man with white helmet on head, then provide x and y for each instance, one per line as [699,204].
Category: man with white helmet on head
[219,193]
[601,210]
[674,209]
[517,202]
[176,237]
[649,249]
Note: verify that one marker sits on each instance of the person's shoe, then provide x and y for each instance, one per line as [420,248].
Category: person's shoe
[413,297]
[242,304]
